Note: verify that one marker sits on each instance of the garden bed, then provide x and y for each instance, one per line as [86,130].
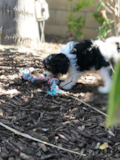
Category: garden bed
[61,121]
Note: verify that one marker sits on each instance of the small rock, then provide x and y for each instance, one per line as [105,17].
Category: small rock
[34,143]
[11,158]
[111,133]
[81,128]
[97,145]
[39,154]
[26,157]
[117,155]
[84,108]
[4,155]
[17,158]
[43,146]
[79,103]
[32,112]
[118,147]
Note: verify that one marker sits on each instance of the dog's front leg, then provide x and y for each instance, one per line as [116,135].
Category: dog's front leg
[67,84]
[70,81]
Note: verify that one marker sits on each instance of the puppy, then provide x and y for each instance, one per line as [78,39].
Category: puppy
[78,57]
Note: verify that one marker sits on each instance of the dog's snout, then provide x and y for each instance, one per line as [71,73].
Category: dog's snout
[48,74]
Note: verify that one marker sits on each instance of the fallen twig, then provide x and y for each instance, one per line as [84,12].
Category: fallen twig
[35,139]
[87,104]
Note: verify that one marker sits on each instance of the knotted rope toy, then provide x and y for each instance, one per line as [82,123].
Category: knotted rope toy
[54,89]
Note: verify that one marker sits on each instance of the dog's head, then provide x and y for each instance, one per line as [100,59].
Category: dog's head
[55,64]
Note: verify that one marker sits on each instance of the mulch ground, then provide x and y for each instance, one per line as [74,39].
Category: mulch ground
[61,121]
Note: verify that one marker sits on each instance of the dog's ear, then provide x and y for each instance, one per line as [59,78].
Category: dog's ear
[62,63]
[43,61]
[48,59]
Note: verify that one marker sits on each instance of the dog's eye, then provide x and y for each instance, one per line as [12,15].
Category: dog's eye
[47,66]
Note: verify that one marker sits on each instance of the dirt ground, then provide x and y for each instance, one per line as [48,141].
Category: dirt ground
[61,121]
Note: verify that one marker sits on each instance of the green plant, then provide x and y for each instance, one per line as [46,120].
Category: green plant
[113,8]
[105,30]
[98,17]
[77,23]
[106,24]
[114,99]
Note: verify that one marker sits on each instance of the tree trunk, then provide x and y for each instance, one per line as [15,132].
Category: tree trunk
[20,27]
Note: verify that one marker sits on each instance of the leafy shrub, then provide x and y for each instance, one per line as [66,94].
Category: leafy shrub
[106,24]
[77,23]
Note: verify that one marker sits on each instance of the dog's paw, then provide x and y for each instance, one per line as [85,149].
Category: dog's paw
[62,84]
[103,89]
[66,86]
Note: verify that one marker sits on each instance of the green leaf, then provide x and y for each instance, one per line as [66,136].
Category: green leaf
[75,23]
[98,17]
[99,5]
[114,99]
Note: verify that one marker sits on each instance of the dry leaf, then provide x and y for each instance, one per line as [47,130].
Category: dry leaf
[1,112]
[103,146]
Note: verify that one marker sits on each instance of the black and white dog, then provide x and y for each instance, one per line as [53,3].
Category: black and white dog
[78,57]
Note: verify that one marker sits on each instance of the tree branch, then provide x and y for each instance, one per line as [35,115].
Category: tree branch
[108,9]
[109,5]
